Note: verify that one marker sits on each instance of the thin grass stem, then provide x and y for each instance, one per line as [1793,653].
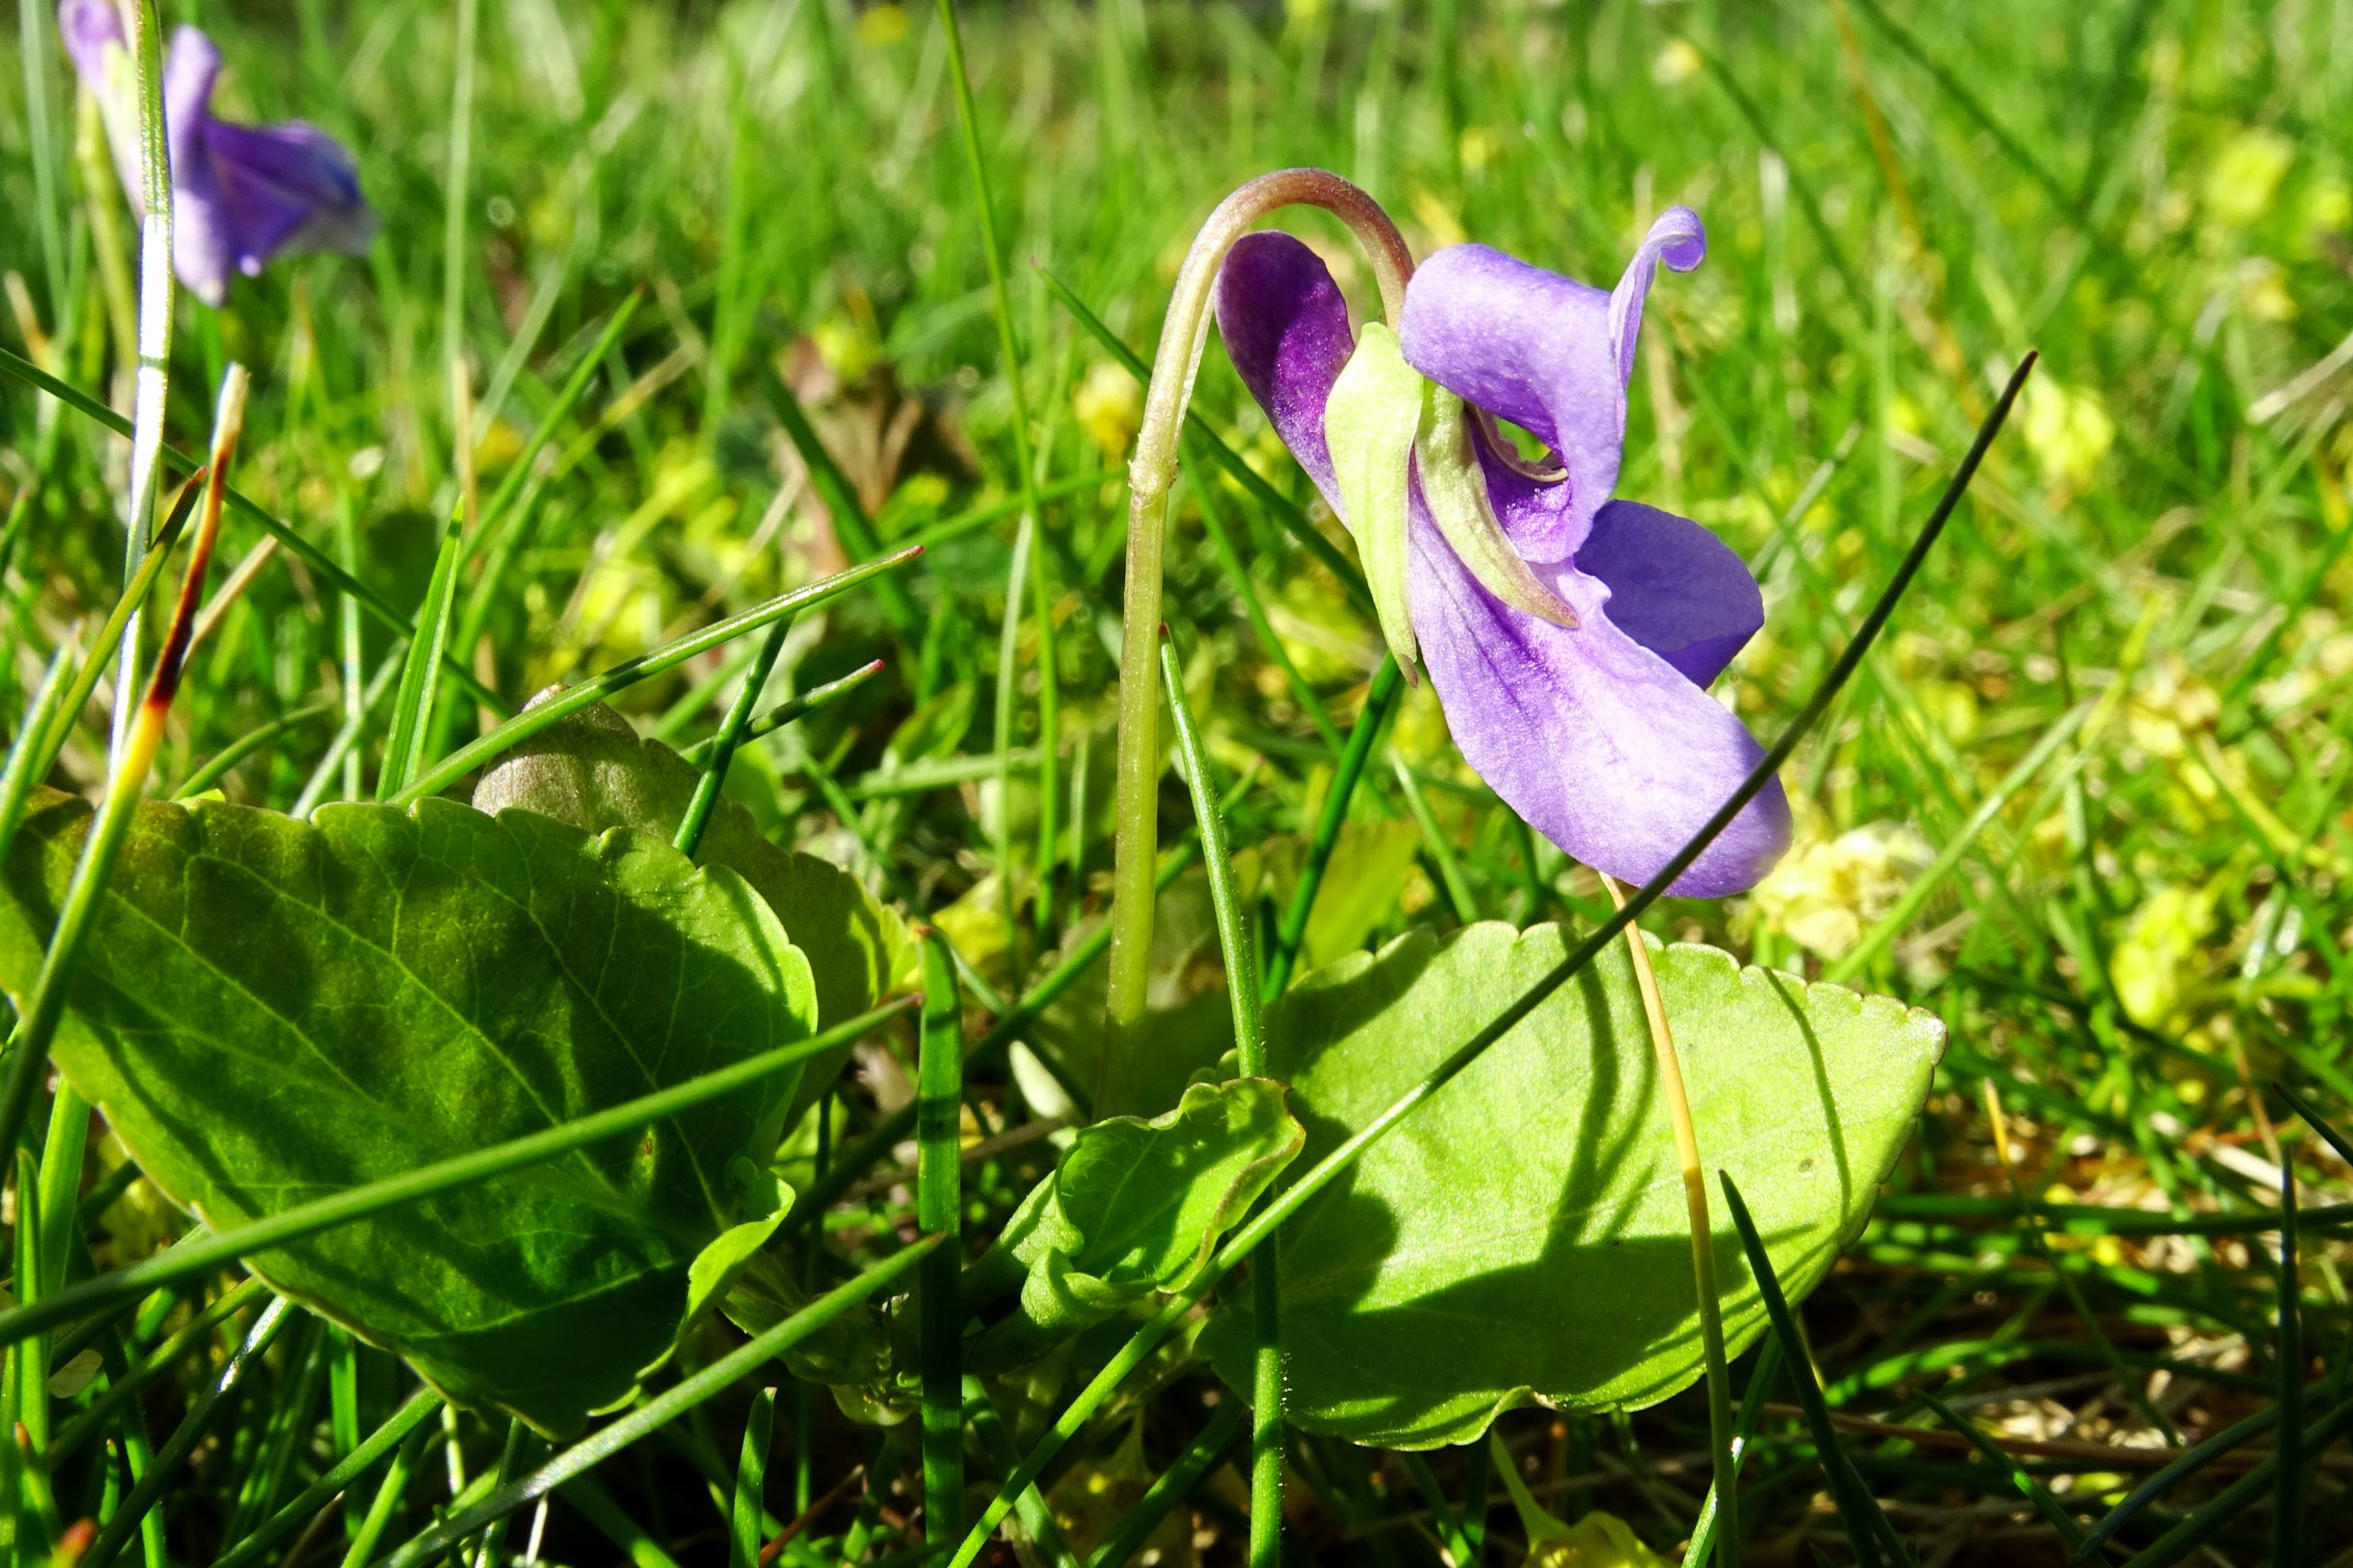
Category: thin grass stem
[1171,1486]
[361,1457]
[745,1515]
[193,1426]
[1702,1236]
[732,731]
[939,1209]
[595,689]
[1266,1548]
[1379,701]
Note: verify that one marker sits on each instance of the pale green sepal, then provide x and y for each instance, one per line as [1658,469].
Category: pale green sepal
[1455,487]
[1370,422]
[714,1268]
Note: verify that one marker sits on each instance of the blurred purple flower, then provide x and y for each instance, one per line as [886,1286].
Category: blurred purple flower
[1601,734]
[240,193]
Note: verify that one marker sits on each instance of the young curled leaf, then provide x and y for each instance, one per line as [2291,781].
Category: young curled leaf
[1455,485]
[1135,1207]
[1370,420]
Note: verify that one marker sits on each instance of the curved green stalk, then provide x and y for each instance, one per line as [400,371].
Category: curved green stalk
[1184,333]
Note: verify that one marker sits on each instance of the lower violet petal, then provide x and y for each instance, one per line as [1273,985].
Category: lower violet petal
[1602,744]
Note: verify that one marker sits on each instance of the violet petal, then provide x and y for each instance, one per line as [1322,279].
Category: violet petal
[204,236]
[1674,587]
[288,187]
[1604,746]
[1285,325]
[1548,352]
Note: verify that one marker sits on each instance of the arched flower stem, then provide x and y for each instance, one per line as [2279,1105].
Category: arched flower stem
[1150,475]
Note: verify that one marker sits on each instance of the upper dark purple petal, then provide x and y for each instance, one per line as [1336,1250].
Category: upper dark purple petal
[1285,324]
[1546,352]
[287,187]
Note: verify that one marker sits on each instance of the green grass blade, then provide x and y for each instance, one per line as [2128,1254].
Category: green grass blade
[1173,1486]
[157,280]
[27,765]
[732,731]
[388,1494]
[744,1534]
[2288,1500]
[792,708]
[1225,897]
[2210,1517]
[418,1408]
[2029,1489]
[1036,1515]
[1867,1525]
[243,747]
[2161,1483]
[196,1334]
[671,1403]
[412,706]
[1751,1410]
[1250,1041]
[1379,701]
[841,498]
[939,1208]
[457,204]
[1215,523]
[621,677]
[1899,919]
[149,1490]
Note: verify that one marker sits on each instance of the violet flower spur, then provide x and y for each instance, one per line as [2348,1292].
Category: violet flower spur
[241,194]
[1571,637]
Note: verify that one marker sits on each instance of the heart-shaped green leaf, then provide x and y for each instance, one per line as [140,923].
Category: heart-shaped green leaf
[1523,1233]
[592,771]
[271,1010]
[1135,1207]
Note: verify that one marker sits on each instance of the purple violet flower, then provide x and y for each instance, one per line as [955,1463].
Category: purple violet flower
[1592,719]
[240,193]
